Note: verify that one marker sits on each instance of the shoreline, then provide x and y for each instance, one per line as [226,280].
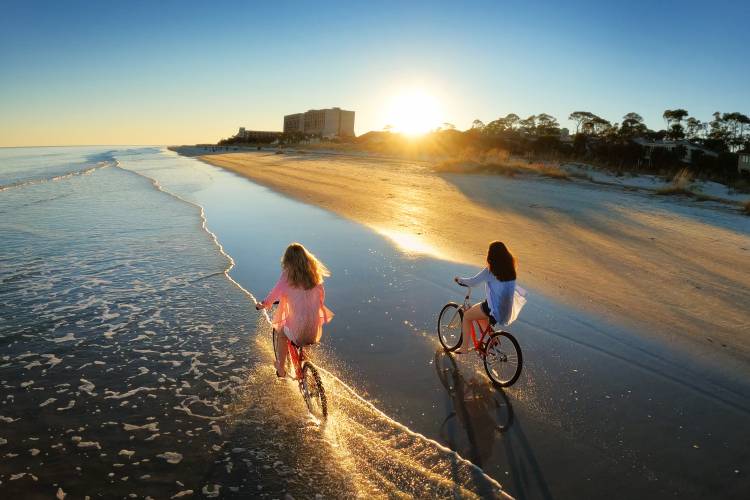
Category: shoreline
[614,264]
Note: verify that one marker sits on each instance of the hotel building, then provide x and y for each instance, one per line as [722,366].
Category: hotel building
[331,122]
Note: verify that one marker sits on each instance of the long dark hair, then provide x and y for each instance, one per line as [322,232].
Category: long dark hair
[501,262]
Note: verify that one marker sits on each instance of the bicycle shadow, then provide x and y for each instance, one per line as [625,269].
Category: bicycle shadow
[479,410]
[480,421]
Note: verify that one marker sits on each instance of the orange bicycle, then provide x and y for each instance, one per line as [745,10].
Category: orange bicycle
[305,373]
[498,349]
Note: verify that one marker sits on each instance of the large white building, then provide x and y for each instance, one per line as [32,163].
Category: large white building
[332,122]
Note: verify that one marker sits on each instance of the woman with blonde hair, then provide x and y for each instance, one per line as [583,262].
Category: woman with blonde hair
[301,313]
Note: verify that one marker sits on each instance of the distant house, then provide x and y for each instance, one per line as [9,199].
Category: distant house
[649,146]
[259,136]
[743,161]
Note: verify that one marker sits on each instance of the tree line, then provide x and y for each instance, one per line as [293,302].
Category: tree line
[724,132]
[598,140]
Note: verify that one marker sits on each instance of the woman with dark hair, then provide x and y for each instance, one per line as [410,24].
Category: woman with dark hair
[499,278]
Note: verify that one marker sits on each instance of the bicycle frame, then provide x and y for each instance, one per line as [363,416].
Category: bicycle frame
[297,355]
[498,349]
[480,344]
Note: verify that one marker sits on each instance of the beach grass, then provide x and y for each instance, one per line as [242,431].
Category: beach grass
[680,185]
[498,162]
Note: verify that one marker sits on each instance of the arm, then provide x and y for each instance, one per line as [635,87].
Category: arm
[481,277]
[274,294]
[323,307]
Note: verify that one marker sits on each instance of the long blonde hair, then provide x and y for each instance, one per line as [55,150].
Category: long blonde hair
[303,269]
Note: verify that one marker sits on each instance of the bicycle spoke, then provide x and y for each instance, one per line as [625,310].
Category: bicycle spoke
[455,320]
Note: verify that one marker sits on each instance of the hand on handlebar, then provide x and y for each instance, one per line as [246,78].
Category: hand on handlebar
[259,305]
[458,280]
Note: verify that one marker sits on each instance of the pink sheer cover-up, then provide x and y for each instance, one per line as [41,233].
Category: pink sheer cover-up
[301,313]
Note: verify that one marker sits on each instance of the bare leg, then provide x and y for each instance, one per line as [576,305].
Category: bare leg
[471,314]
[281,351]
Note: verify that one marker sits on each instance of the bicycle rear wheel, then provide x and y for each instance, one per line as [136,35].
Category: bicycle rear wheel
[503,359]
[313,392]
[450,324]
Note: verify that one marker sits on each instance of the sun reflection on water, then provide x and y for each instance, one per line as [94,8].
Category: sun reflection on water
[409,243]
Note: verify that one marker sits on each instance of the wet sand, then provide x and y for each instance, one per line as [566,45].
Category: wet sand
[666,267]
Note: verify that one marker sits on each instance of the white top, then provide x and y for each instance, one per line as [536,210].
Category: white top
[503,297]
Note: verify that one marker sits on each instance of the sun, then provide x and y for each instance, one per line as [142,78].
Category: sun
[414,112]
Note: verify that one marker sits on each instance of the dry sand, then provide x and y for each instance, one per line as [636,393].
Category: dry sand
[646,261]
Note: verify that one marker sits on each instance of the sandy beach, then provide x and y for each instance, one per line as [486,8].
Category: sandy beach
[680,272]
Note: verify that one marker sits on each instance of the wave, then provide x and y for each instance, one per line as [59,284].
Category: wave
[59,177]
[366,438]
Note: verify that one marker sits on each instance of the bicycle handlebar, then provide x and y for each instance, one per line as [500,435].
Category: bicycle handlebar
[455,280]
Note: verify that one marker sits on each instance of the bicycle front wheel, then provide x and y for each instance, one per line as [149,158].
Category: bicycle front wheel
[313,392]
[502,359]
[450,324]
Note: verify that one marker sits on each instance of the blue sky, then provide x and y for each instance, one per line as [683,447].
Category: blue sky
[185,72]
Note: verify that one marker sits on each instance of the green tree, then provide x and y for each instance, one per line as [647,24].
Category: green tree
[596,125]
[694,128]
[672,116]
[511,121]
[676,132]
[477,124]
[504,124]
[736,126]
[528,125]
[495,127]
[547,125]
[580,117]
[632,125]
[718,133]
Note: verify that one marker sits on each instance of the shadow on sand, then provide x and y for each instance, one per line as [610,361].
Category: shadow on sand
[480,421]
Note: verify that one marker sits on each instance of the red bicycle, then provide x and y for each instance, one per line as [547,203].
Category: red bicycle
[307,375]
[498,349]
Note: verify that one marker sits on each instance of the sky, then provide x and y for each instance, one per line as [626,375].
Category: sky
[193,72]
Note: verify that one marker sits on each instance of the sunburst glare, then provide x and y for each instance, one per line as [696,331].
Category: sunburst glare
[414,112]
